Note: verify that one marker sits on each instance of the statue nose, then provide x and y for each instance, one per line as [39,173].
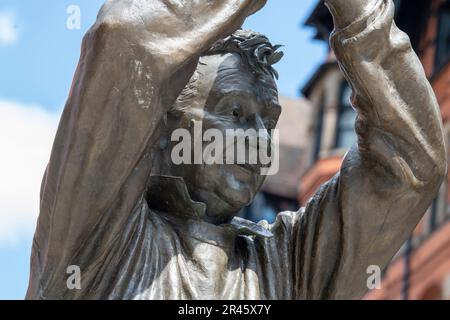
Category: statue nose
[264,139]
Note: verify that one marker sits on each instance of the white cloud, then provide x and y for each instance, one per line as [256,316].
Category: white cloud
[8,29]
[26,137]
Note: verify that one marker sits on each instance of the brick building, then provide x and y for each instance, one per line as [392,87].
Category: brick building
[421,269]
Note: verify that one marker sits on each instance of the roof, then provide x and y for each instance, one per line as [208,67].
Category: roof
[321,19]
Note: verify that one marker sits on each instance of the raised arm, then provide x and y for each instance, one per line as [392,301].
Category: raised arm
[389,179]
[135,60]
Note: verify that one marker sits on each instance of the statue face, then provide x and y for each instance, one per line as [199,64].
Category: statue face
[230,96]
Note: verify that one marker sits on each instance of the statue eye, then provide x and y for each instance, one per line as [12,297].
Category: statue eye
[236,112]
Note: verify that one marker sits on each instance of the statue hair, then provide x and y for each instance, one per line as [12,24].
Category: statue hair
[255,50]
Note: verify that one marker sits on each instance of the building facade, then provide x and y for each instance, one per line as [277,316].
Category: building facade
[279,192]
[421,269]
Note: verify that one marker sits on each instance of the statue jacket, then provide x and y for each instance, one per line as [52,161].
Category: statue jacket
[104,210]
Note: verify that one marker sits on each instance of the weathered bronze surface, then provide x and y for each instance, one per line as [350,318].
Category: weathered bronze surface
[141,228]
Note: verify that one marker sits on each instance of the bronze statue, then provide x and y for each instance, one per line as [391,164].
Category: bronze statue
[140,227]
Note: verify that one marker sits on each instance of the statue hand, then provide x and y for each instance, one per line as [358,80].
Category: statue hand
[172,32]
[170,16]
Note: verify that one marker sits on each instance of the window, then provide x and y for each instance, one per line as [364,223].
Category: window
[259,210]
[319,129]
[345,136]
[433,219]
[436,214]
[266,206]
[412,17]
[397,4]
[443,38]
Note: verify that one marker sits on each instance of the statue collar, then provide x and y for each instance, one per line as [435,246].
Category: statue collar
[170,195]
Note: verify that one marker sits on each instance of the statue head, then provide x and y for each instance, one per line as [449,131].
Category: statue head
[233,88]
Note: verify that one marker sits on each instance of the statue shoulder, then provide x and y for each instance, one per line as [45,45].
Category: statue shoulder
[285,222]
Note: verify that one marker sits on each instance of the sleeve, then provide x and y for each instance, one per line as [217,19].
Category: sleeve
[388,180]
[134,61]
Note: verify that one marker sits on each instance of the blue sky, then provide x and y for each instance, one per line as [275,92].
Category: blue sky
[38,59]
